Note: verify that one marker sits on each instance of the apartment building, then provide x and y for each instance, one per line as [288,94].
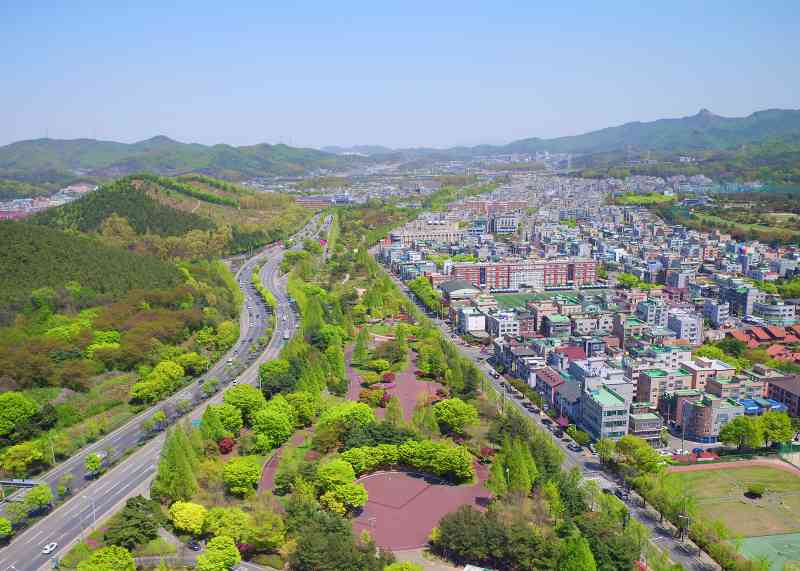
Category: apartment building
[705,417]
[604,413]
[647,426]
[716,312]
[686,325]
[702,369]
[442,231]
[787,392]
[653,384]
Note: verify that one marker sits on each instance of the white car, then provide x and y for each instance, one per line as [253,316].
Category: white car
[49,548]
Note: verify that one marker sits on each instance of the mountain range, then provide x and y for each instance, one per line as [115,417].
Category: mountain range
[702,131]
[51,162]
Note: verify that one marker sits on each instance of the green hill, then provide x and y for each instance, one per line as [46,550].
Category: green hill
[704,130]
[34,257]
[232,218]
[126,199]
[50,161]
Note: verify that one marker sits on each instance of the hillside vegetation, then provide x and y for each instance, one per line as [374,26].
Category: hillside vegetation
[187,217]
[43,161]
[35,257]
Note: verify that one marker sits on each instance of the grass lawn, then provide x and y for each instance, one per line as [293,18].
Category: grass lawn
[717,220]
[720,495]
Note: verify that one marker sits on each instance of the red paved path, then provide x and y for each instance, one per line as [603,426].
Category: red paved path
[403,509]
[271,466]
[407,386]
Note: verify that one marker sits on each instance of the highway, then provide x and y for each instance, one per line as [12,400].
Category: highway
[95,500]
[688,555]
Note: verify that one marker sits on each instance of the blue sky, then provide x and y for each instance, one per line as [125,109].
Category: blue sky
[392,73]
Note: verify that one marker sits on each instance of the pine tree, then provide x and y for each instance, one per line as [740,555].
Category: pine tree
[394,412]
[498,479]
[360,351]
[576,555]
[211,425]
[519,479]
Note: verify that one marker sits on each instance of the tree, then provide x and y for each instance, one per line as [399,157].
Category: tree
[606,449]
[266,530]
[335,472]
[136,524]
[454,415]
[246,398]
[743,431]
[555,505]
[6,530]
[92,463]
[241,475]
[111,557]
[230,417]
[498,478]
[304,405]
[231,522]
[576,555]
[403,566]
[15,409]
[777,427]
[360,350]
[394,412]
[220,555]
[39,497]
[274,425]
[188,516]
[175,478]
[211,425]
[276,376]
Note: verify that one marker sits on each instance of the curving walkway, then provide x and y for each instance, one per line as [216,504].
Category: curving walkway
[270,467]
[407,386]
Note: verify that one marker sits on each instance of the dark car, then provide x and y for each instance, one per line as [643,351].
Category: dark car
[194,546]
[559,433]
[547,421]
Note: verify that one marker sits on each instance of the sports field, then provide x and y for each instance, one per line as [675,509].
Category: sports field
[720,495]
[770,525]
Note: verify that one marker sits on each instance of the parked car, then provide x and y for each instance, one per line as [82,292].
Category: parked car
[193,545]
[574,447]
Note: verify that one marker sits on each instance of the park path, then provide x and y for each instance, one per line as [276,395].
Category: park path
[407,386]
[267,481]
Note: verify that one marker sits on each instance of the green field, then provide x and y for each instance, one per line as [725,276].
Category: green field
[765,523]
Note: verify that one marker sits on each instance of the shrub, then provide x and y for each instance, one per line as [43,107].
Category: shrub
[369,378]
[226,445]
[372,397]
[756,490]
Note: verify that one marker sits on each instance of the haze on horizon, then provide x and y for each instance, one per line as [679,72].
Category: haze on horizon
[353,73]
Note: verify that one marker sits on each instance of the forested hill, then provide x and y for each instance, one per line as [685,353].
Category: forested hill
[179,218]
[34,257]
[705,130]
[43,161]
[127,200]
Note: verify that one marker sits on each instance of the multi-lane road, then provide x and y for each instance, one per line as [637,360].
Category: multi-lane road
[94,500]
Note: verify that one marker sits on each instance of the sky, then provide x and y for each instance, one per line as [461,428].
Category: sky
[399,74]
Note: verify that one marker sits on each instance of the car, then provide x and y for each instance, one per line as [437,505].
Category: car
[559,433]
[664,452]
[575,447]
[535,409]
[621,494]
[49,548]
[234,382]
[566,439]
[681,451]
[547,421]
[193,545]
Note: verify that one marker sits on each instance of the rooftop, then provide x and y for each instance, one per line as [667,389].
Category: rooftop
[606,397]
[645,416]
